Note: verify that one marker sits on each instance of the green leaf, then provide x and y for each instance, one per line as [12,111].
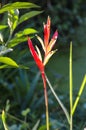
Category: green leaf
[17,5]
[13,16]
[79,94]
[23,67]
[26,32]
[3,66]
[8,61]
[26,16]
[7,66]
[15,41]
[4,120]
[36,125]
[25,112]
[3,26]
[42,127]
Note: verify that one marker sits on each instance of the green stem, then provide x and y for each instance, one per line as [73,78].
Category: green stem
[59,101]
[9,38]
[71,87]
[79,95]
[17,119]
[46,100]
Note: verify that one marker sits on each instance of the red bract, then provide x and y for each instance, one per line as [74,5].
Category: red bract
[35,56]
[47,32]
[46,45]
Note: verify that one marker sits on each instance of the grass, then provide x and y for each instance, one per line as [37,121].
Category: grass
[79,70]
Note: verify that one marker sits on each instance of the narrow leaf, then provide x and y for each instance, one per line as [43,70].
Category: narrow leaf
[7,66]
[26,16]
[13,16]
[8,61]
[26,31]
[36,125]
[15,41]
[4,120]
[79,94]
[3,26]
[3,66]
[17,5]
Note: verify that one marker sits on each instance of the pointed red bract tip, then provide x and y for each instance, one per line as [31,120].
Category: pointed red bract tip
[47,31]
[35,56]
[55,36]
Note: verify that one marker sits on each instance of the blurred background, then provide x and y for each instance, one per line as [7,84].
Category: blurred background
[22,90]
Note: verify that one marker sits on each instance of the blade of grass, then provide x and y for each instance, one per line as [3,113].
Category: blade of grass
[59,101]
[71,87]
[79,94]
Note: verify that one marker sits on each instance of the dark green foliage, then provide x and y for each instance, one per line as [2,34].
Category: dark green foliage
[21,90]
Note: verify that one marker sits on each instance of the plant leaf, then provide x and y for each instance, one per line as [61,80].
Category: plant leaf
[36,125]
[42,127]
[26,16]
[17,5]
[26,32]
[13,16]
[7,66]
[3,66]
[3,26]
[8,61]
[4,120]
[15,41]
[79,94]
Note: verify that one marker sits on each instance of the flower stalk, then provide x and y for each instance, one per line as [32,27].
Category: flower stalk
[46,100]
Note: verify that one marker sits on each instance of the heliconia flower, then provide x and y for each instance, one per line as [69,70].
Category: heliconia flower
[46,45]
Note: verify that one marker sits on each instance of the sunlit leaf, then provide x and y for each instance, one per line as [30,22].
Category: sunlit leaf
[17,5]
[8,61]
[28,15]
[3,26]
[42,127]
[13,16]
[3,66]
[15,41]
[26,32]
[4,120]
[7,66]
